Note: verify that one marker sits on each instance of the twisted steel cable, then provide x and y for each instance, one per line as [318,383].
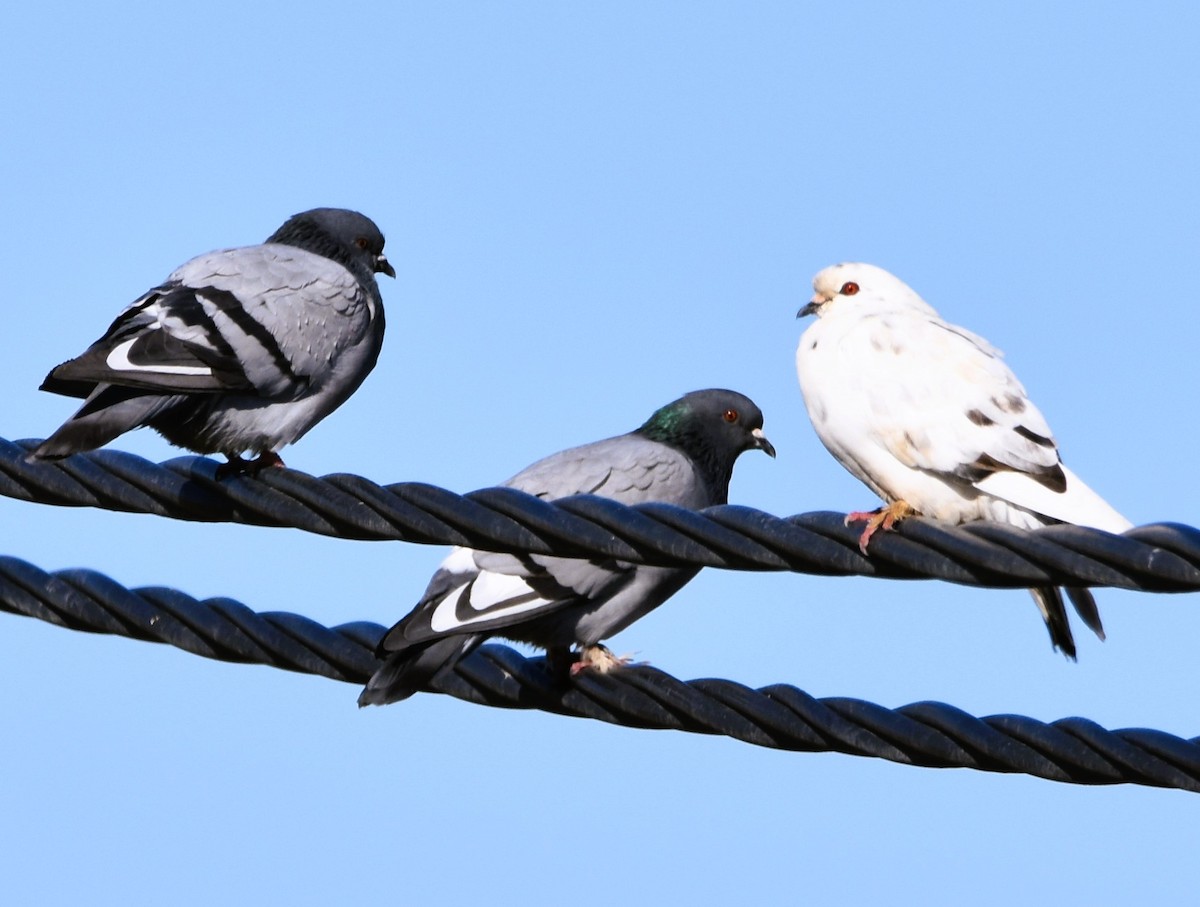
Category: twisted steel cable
[780,716]
[1161,557]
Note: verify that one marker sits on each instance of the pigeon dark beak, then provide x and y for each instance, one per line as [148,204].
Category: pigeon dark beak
[383,266]
[810,309]
[761,442]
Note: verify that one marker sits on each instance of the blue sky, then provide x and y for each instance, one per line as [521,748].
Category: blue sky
[593,209]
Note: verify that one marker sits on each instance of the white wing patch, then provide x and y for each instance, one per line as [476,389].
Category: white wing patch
[491,596]
[118,360]
[1079,504]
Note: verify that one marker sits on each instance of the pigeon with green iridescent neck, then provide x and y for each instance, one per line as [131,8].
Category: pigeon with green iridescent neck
[683,455]
[241,350]
[930,418]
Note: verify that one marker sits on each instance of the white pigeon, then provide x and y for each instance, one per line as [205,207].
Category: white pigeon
[930,418]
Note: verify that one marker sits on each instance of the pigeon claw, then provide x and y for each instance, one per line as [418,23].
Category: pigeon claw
[884,518]
[598,658]
[239,467]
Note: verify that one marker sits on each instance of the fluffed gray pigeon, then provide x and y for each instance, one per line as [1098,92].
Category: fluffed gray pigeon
[683,454]
[238,350]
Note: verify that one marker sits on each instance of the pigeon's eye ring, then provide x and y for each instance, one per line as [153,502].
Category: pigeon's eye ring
[730,415]
[849,288]
[362,243]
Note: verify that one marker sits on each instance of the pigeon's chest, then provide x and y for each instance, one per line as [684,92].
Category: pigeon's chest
[847,370]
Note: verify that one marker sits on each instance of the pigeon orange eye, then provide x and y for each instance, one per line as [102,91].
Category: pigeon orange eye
[849,288]
[730,415]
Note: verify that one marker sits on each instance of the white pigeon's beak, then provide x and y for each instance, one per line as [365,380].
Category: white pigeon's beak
[761,442]
[814,306]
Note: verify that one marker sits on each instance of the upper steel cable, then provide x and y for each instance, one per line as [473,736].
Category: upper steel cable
[1161,557]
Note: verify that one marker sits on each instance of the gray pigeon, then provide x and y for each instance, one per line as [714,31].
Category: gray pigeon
[683,455]
[239,350]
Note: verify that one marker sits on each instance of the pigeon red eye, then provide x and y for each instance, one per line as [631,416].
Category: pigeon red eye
[730,415]
[361,242]
[849,288]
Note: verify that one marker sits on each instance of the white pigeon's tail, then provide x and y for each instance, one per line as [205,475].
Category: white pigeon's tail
[1078,505]
[1050,602]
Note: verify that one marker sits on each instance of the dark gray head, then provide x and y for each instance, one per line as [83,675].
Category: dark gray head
[712,427]
[345,236]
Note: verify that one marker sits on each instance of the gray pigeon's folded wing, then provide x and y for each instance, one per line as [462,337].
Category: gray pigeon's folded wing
[268,319]
[141,351]
[480,591]
[510,590]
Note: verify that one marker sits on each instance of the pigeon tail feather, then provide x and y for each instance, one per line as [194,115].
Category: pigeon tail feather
[1085,607]
[1049,602]
[407,672]
[109,412]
